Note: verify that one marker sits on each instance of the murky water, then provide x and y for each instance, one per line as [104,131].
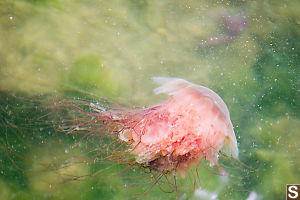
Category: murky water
[246,51]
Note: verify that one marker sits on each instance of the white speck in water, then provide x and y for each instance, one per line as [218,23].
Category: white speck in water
[11,17]
[278,139]
[253,196]
[66,151]
[205,194]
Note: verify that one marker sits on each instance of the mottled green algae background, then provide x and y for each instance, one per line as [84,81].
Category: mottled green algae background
[111,49]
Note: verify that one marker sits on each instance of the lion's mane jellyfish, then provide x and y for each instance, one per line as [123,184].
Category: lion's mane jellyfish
[191,125]
[232,26]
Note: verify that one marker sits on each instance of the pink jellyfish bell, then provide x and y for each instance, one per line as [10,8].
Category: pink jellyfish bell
[193,124]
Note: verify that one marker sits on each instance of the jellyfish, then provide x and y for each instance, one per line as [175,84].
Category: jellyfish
[175,135]
[233,26]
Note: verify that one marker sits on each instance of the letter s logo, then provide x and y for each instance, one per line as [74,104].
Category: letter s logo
[293,194]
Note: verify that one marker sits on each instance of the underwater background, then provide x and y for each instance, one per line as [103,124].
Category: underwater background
[98,51]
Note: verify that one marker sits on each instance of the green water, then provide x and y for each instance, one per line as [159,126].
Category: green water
[83,49]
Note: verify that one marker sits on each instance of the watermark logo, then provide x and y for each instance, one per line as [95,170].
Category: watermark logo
[293,191]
